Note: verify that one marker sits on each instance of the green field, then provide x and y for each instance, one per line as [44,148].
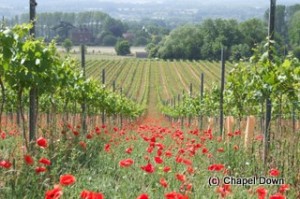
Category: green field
[145,80]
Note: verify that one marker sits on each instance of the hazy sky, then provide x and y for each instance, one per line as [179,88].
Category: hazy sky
[14,7]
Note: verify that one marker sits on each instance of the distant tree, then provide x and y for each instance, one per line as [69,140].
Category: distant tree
[152,50]
[240,51]
[156,39]
[217,34]
[109,40]
[294,29]
[291,10]
[122,47]
[116,27]
[63,29]
[68,44]
[296,52]
[140,41]
[254,31]
[182,43]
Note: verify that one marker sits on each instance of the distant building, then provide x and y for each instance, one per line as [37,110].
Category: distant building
[128,36]
[81,35]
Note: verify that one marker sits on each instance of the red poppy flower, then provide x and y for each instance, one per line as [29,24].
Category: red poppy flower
[89,136]
[159,152]
[5,164]
[150,149]
[238,132]
[189,186]
[179,159]
[190,170]
[55,193]
[175,195]
[45,161]
[221,150]
[82,144]
[76,133]
[129,150]
[42,142]
[277,196]
[85,194]
[167,169]
[107,147]
[187,162]
[158,160]
[274,172]
[97,130]
[149,168]
[163,182]
[28,160]
[40,169]
[259,138]
[143,196]
[126,162]
[180,177]
[67,179]
[224,190]
[216,167]
[283,188]
[168,154]
[204,150]
[230,134]
[262,192]
[3,135]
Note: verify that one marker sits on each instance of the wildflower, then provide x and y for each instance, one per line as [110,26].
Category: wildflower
[175,195]
[274,172]
[180,177]
[126,163]
[45,161]
[262,192]
[216,167]
[3,135]
[204,150]
[158,160]
[168,154]
[40,169]
[277,196]
[82,144]
[28,160]
[5,164]
[67,179]
[283,188]
[85,194]
[224,190]
[143,196]
[129,150]
[55,193]
[163,182]
[167,169]
[42,142]
[107,147]
[89,136]
[149,168]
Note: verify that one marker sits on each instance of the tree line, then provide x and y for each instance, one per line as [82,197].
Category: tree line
[94,28]
[191,41]
[205,40]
